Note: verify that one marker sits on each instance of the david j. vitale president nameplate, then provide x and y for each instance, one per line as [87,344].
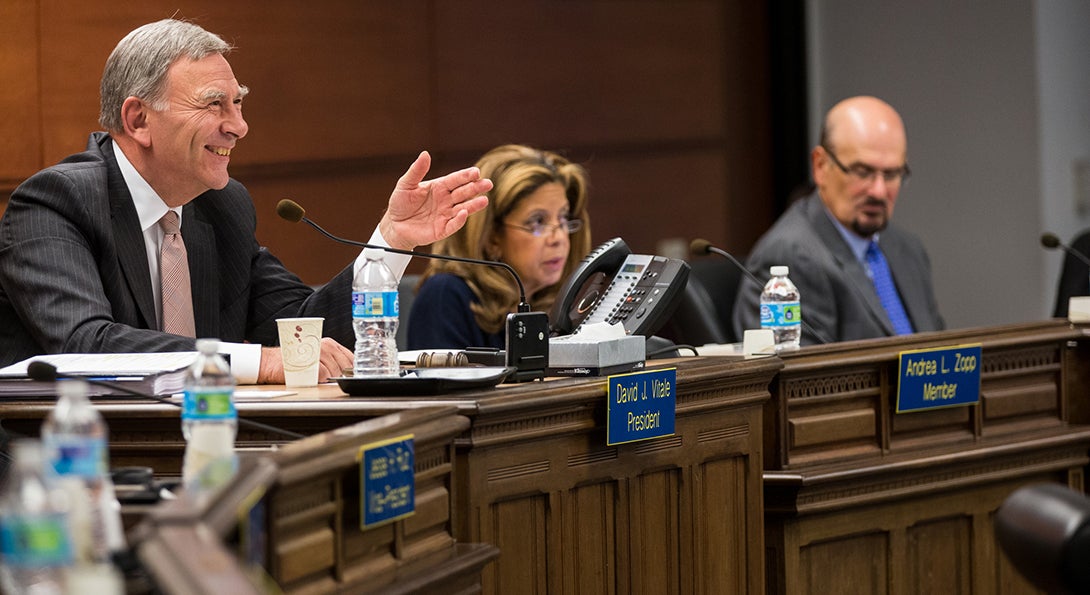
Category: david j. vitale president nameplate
[642,405]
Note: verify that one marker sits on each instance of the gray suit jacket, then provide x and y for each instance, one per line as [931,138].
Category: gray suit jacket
[838,299]
[74,274]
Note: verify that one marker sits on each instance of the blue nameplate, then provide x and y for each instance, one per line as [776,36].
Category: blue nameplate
[641,405]
[387,481]
[936,378]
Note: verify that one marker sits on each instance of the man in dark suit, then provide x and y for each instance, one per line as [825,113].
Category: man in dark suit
[80,241]
[838,240]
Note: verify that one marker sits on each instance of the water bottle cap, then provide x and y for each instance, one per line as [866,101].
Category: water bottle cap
[374,254]
[778,271]
[72,387]
[208,346]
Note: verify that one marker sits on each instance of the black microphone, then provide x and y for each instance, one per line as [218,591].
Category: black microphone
[47,372]
[291,211]
[527,332]
[701,246]
[1051,241]
[1045,531]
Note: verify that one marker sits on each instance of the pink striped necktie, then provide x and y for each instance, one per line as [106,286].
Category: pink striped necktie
[176,292]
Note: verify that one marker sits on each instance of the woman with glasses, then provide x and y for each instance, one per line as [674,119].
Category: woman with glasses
[536,222]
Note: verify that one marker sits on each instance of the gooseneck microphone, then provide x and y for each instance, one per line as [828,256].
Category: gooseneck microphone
[701,247]
[527,337]
[47,372]
[291,211]
[1051,241]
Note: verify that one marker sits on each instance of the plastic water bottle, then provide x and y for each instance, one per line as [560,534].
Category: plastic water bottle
[374,317]
[35,546]
[781,310]
[209,420]
[75,439]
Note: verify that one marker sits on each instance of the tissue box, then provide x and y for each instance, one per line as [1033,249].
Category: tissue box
[574,355]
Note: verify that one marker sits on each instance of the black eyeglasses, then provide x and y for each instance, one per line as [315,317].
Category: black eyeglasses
[541,228]
[867,174]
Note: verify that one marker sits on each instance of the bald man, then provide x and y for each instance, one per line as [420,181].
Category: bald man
[859,276]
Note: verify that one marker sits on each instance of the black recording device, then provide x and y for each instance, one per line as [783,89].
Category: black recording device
[527,350]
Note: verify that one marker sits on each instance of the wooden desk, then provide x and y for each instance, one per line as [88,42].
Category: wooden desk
[680,514]
[903,503]
[309,496]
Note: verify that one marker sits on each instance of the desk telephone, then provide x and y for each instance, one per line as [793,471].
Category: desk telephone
[613,285]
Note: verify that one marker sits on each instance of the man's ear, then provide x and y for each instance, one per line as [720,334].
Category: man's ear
[818,159]
[134,119]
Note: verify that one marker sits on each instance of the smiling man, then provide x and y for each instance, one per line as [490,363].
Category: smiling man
[858,276]
[144,242]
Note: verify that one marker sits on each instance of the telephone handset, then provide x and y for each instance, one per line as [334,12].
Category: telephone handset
[613,285]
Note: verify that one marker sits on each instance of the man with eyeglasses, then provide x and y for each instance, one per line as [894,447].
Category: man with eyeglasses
[859,276]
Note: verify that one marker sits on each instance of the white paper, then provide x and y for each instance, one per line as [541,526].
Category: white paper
[106,364]
[593,333]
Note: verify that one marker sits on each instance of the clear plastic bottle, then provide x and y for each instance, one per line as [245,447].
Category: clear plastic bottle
[75,439]
[35,546]
[375,317]
[781,310]
[209,420]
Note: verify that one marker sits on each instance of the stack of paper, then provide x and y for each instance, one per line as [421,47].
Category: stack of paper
[149,373]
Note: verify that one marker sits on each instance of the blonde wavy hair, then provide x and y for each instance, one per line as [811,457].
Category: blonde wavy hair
[516,172]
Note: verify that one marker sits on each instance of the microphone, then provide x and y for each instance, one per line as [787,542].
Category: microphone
[700,246]
[47,372]
[290,210]
[1045,531]
[1051,241]
[527,332]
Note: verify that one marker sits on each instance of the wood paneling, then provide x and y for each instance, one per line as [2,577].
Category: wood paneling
[665,101]
[20,126]
[532,476]
[904,503]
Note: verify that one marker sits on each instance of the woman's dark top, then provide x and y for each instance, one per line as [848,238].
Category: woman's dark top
[441,319]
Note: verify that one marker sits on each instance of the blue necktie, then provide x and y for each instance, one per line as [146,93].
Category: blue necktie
[887,291]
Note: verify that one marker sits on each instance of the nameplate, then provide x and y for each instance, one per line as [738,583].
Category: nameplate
[937,378]
[641,405]
[387,481]
[252,538]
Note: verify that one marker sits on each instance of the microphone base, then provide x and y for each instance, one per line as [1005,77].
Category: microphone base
[527,345]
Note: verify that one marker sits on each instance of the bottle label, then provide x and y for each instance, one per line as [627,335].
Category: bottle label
[209,404]
[781,315]
[35,540]
[374,304]
[78,456]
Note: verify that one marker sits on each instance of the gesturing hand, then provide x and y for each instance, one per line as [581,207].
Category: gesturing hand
[425,211]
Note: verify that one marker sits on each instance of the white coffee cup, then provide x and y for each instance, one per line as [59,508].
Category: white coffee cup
[300,349]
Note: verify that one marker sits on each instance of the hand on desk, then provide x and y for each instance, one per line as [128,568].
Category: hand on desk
[334,359]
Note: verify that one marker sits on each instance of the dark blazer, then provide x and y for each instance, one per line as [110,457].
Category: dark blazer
[838,299]
[74,274]
[1074,277]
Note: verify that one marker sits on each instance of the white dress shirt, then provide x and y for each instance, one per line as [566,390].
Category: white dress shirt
[150,208]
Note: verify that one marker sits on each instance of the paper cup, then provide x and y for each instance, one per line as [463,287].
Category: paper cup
[301,349]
